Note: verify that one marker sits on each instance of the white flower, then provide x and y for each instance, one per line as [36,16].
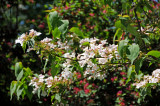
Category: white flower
[104,42]
[142,83]
[46,40]
[35,33]
[21,39]
[102,60]
[41,78]
[156,73]
[49,81]
[84,40]
[154,80]
[100,76]
[66,74]
[44,93]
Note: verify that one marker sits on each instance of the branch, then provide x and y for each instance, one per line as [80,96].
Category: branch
[137,19]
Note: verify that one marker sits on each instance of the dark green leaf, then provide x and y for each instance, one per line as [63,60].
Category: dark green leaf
[138,64]
[133,31]
[54,68]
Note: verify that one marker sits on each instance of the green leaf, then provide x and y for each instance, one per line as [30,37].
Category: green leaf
[58,97]
[12,88]
[56,33]
[133,52]
[53,19]
[55,22]
[52,97]
[20,75]
[133,31]
[77,31]
[117,34]
[64,26]
[85,44]
[28,90]
[18,68]
[138,64]
[122,47]
[54,68]
[44,68]
[39,92]
[154,53]
[19,92]
[139,76]
[24,46]
[129,72]
[119,24]
[49,24]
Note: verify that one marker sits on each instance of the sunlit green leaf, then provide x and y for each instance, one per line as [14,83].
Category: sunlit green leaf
[20,75]
[77,31]
[133,52]
[154,53]
[12,88]
[18,68]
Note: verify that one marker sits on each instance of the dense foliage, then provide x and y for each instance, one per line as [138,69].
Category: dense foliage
[89,52]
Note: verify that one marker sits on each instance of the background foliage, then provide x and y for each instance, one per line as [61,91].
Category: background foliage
[114,20]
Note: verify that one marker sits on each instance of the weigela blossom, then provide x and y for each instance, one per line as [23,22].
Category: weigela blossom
[21,39]
[155,78]
[24,37]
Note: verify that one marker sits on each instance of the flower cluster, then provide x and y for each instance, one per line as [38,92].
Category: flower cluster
[96,49]
[155,78]
[48,81]
[25,37]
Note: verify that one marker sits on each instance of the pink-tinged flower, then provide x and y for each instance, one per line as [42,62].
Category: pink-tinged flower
[8,5]
[90,101]
[80,82]
[137,94]
[86,85]
[45,99]
[66,7]
[33,20]
[124,78]
[42,25]
[122,104]
[91,14]
[86,91]
[104,11]
[27,21]
[119,93]
[78,75]
[113,79]
[93,85]
[150,11]
[122,73]
[31,1]
[76,90]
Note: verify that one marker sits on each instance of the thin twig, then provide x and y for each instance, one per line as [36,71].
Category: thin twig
[137,19]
